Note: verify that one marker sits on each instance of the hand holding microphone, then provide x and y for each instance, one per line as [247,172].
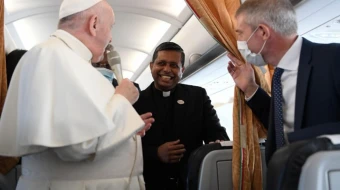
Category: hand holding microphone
[125,86]
[127,89]
[113,59]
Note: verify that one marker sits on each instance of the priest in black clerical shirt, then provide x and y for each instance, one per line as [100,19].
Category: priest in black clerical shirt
[184,118]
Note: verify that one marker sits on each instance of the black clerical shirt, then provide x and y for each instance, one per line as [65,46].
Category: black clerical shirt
[165,118]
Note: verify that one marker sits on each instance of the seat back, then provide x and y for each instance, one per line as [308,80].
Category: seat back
[195,163]
[3,182]
[321,171]
[10,180]
[285,166]
[215,172]
[210,167]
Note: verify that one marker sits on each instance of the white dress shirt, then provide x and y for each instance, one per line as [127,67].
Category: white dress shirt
[289,63]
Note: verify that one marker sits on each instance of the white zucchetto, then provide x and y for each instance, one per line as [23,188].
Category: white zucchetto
[70,7]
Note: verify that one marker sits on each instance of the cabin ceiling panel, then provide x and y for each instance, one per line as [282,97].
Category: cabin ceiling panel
[10,18]
[130,59]
[310,7]
[140,26]
[145,78]
[13,6]
[326,33]
[322,24]
[194,39]
[138,31]
[172,8]
[35,29]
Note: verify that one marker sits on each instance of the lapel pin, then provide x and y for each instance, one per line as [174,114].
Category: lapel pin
[180,102]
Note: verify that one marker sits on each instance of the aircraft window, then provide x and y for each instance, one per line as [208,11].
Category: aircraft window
[220,88]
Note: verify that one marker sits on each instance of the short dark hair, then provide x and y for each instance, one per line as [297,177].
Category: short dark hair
[12,59]
[169,46]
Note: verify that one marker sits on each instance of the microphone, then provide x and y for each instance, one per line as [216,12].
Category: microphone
[113,59]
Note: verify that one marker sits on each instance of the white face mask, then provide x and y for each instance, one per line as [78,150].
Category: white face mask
[253,58]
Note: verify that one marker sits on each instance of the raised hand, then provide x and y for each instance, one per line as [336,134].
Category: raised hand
[243,75]
[148,120]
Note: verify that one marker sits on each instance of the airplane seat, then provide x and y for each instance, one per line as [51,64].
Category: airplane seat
[10,180]
[204,163]
[321,171]
[290,167]
[3,182]
[210,167]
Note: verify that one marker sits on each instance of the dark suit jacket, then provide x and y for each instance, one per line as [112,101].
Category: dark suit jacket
[317,103]
[194,121]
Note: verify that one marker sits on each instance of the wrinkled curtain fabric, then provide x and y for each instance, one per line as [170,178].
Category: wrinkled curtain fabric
[3,76]
[6,163]
[217,16]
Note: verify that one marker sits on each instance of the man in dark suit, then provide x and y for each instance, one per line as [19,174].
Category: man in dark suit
[305,97]
[184,118]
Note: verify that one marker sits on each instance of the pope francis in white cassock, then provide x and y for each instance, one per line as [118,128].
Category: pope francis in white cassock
[64,118]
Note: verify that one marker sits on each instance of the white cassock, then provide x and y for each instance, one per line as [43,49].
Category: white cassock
[62,116]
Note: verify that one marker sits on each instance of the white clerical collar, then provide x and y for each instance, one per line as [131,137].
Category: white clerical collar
[166,94]
[76,45]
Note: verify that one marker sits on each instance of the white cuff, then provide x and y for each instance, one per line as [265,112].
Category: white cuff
[249,98]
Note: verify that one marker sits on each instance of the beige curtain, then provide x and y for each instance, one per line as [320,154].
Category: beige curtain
[269,75]
[217,16]
[6,163]
[3,77]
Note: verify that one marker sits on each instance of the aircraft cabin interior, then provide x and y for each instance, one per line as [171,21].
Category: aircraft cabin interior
[140,26]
